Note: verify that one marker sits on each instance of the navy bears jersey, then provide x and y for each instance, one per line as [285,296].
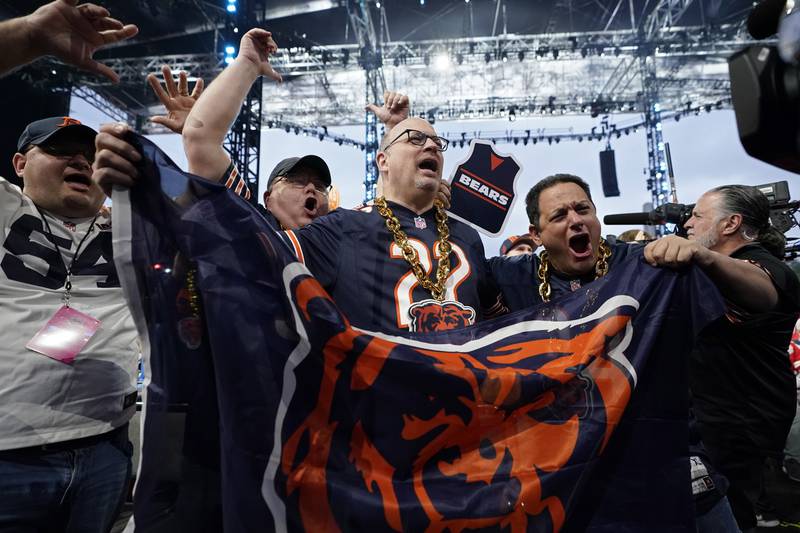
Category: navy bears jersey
[354,256]
[519,282]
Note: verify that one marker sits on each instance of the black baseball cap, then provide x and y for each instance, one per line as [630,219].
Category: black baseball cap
[40,131]
[313,162]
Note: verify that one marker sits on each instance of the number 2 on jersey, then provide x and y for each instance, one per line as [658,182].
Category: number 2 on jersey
[404,290]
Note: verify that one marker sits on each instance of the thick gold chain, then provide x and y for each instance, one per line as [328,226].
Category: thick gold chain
[437,289]
[600,269]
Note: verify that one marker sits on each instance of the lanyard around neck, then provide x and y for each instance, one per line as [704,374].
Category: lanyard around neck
[68,280]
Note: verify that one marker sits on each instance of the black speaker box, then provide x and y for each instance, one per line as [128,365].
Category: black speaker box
[608,173]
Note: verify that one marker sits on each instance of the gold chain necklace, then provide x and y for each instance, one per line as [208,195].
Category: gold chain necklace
[600,269]
[437,289]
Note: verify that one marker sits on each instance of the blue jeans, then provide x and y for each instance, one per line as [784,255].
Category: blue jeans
[718,519]
[74,486]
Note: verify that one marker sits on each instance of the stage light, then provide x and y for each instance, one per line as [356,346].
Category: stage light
[555,53]
[378,5]
[441,62]
[230,50]
[505,57]
[228,60]
[231,8]
[521,55]
[487,57]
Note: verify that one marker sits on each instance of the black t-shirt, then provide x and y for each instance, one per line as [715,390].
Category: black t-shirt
[743,389]
[517,279]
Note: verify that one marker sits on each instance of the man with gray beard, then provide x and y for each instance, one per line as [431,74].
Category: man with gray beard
[740,378]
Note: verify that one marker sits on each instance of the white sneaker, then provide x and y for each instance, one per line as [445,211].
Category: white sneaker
[763,521]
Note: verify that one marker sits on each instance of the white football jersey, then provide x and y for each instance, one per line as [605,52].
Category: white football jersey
[43,400]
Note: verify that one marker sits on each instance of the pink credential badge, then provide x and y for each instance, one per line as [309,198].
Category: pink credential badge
[64,335]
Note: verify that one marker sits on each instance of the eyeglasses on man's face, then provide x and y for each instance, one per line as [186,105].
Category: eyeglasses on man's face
[300,181]
[419,138]
[66,149]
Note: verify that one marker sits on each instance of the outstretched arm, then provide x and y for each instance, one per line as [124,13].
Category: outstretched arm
[216,109]
[65,30]
[740,282]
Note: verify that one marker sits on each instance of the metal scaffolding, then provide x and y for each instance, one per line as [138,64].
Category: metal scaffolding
[656,66]
[243,141]
[370,59]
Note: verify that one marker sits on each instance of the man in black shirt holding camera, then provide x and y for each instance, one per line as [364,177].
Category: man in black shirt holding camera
[740,378]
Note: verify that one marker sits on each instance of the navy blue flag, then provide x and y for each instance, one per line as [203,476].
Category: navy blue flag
[569,416]
[483,188]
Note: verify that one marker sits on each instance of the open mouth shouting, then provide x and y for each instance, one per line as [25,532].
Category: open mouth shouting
[311,205]
[429,167]
[78,181]
[580,246]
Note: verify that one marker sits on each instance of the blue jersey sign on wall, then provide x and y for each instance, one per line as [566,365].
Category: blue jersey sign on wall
[483,188]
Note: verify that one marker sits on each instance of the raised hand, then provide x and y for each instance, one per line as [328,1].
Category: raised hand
[393,111]
[256,46]
[176,98]
[74,33]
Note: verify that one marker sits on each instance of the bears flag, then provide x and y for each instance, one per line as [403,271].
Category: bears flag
[268,411]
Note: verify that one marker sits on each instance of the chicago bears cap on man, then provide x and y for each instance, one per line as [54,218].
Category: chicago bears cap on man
[516,240]
[42,130]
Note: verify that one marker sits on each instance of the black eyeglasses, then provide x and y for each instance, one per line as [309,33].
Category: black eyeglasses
[300,181]
[419,138]
[67,149]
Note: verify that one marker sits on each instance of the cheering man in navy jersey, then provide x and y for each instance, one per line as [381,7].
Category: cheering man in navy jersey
[399,265]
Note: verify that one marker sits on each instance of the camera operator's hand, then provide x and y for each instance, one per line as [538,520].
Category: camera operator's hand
[675,252]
